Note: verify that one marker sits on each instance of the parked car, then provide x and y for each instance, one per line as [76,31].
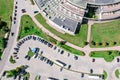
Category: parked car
[103,77]
[76,57]
[62,52]
[68,54]
[38,39]
[58,50]
[35,11]
[41,52]
[34,38]
[93,60]
[29,37]
[19,77]
[37,50]
[45,42]
[15,76]
[52,78]
[82,74]
[51,45]
[51,63]
[14,18]
[15,10]
[26,56]
[4,73]
[23,11]
[42,58]
[42,40]
[16,49]
[15,14]
[39,77]
[48,44]
[36,55]
[118,60]
[69,66]
[91,70]
[14,22]
[55,48]
[48,61]
[12,34]
[14,53]
[20,43]
[15,7]
[16,2]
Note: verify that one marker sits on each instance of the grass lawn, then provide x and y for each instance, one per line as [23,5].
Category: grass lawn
[28,27]
[5,13]
[106,34]
[105,75]
[30,53]
[72,50]
[79,39]
[117,73]
[6,9]
[107,55]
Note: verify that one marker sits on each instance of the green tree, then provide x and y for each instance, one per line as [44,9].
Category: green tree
[2,24]
[12,60]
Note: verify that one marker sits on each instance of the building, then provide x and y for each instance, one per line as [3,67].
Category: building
[69,14]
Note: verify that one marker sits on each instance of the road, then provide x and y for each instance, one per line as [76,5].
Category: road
[11,41]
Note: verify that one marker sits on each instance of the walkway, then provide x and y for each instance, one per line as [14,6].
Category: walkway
[90,23]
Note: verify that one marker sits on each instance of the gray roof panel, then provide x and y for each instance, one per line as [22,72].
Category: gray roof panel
[67,23]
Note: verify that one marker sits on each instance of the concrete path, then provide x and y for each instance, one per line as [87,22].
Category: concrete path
[90,23]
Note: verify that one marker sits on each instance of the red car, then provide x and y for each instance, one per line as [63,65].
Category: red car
[15,7]
[14,18]
[15,55]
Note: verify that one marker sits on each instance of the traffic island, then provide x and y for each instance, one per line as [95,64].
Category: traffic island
[107,55]
[117,73]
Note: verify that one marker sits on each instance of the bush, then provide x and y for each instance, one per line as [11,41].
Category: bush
[32,2]
[107,55]
[93,43]
[86,43]
[107,44]
[105,74]
[11,60]
[11,73]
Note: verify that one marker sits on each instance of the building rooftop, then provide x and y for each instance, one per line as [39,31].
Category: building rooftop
[83,3]
[67,24]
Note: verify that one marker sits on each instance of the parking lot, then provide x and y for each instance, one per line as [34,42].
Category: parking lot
[51,60]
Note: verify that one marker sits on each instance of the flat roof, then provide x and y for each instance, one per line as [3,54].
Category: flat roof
[83,3]
[66,24]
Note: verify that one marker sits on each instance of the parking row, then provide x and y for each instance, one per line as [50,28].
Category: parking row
[15,13]
[32,37]
[41,40]
[44,59]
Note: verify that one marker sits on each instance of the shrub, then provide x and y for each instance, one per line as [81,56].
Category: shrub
[11,60]
[32,2]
